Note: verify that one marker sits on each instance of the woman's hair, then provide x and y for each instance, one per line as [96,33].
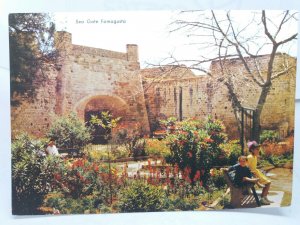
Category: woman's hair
[252,145]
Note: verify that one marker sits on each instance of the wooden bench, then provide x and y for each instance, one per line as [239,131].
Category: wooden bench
[241,197]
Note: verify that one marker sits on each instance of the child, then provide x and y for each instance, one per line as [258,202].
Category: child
[243,176]
[252,161]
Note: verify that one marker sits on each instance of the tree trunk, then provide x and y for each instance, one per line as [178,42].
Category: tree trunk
[257,113]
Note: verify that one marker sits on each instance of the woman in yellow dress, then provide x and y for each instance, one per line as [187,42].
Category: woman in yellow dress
[252,164]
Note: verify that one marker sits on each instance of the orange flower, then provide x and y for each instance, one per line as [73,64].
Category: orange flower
[212,172]
[208,140]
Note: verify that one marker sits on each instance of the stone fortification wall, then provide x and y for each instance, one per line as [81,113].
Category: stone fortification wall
[207,95]
[176,92]
[278,110]
[35,116]
[88,79]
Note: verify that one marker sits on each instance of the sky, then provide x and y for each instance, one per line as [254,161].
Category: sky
[150,30]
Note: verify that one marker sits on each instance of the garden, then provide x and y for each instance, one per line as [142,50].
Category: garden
[132,172]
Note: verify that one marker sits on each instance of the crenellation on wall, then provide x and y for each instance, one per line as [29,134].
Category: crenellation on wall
[97,52]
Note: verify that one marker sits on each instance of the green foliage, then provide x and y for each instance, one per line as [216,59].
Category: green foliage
[141,197]
[32,174]
[106,122]
[80,178]
[168,122]
[217,178]
[31,43]
[175,202]
[233,150]
[66,205]
[132,139]
[69,132]
[269,135]
[116,152]
[196,147]
[157,148]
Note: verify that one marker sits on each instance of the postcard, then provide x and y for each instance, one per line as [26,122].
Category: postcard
[152,111]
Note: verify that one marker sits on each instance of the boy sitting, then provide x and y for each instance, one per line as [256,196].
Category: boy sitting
[243,176]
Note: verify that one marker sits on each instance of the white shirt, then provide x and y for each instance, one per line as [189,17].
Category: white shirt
[52,150]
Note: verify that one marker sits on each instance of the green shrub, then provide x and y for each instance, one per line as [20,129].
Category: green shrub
[157,148]
[141,197]
[32,174]
[217,178]
[233,150]
[132,139]
[66,205]
[70,132]
[175,202]
[269,135]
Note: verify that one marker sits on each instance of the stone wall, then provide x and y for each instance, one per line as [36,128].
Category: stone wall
[278,110]
[205,95]
[88,79]
[35,116]
[179,94]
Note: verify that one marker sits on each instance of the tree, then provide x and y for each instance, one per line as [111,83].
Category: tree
[224,36]
[70,132]
[32,174]
[32,52]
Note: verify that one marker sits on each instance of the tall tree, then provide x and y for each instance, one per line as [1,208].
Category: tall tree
[225,35]
[31,43]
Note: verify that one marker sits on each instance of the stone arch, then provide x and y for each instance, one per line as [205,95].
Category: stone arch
[112,103]
[94,105]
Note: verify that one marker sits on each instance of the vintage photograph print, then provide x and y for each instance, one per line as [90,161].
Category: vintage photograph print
[145,111]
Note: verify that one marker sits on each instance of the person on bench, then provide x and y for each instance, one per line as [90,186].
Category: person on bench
[243,176]
[252,162]
[51,148]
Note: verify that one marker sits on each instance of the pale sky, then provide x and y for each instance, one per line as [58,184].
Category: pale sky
[150,31]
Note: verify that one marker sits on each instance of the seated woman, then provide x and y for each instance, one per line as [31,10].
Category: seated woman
[252,163]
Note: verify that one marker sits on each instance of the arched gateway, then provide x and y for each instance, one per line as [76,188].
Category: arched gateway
[95,105]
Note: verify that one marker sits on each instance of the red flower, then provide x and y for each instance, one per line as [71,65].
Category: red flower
[176,169]
[167,172]
[208,140]
[96,168]
[190,154]
[197,175]
[57,176]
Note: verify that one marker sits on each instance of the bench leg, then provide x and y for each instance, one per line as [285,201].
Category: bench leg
[255,196]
